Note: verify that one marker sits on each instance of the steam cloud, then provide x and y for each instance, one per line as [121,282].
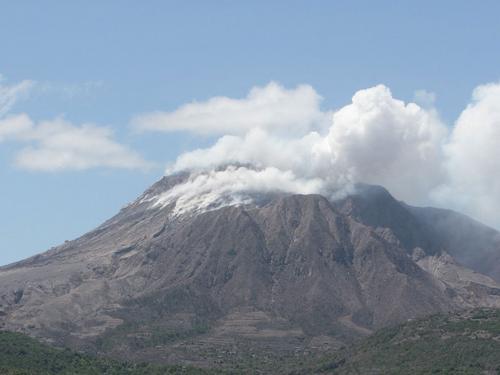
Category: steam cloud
[375,139]
[233,185]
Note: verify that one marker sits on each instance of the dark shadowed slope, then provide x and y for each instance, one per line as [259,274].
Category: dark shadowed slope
[468,241]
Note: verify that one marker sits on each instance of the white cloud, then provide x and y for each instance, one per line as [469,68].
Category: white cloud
[284,134]
[9,95]
[473,158]
[58,145]
[381,140]
[375,139]
[15,127]
[271,107]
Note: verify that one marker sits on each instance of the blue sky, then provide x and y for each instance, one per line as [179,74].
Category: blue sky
[105,62]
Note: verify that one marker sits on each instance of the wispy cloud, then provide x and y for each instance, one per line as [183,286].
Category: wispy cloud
[59,145]
[10,94]
[269,107]
[68,90]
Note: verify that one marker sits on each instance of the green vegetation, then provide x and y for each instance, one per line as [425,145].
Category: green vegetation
[465,343]
[459,343]
[22,355]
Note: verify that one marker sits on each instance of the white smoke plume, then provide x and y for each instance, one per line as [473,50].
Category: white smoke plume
[375,139]
[233,186]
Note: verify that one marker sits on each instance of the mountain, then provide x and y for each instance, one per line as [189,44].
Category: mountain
[267,279]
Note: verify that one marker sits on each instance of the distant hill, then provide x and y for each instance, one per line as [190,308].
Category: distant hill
[22,355]
[458,343]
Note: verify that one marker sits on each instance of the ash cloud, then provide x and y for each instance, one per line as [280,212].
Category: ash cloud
[375,139]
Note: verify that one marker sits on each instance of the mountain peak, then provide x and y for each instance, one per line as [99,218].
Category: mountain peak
[196,191]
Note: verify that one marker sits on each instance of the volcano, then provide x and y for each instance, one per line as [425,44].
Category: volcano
[266,275]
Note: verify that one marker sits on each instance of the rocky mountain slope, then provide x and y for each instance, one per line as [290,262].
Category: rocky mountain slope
[279,276]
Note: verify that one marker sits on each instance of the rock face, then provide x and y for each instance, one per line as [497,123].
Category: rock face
[291,273]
